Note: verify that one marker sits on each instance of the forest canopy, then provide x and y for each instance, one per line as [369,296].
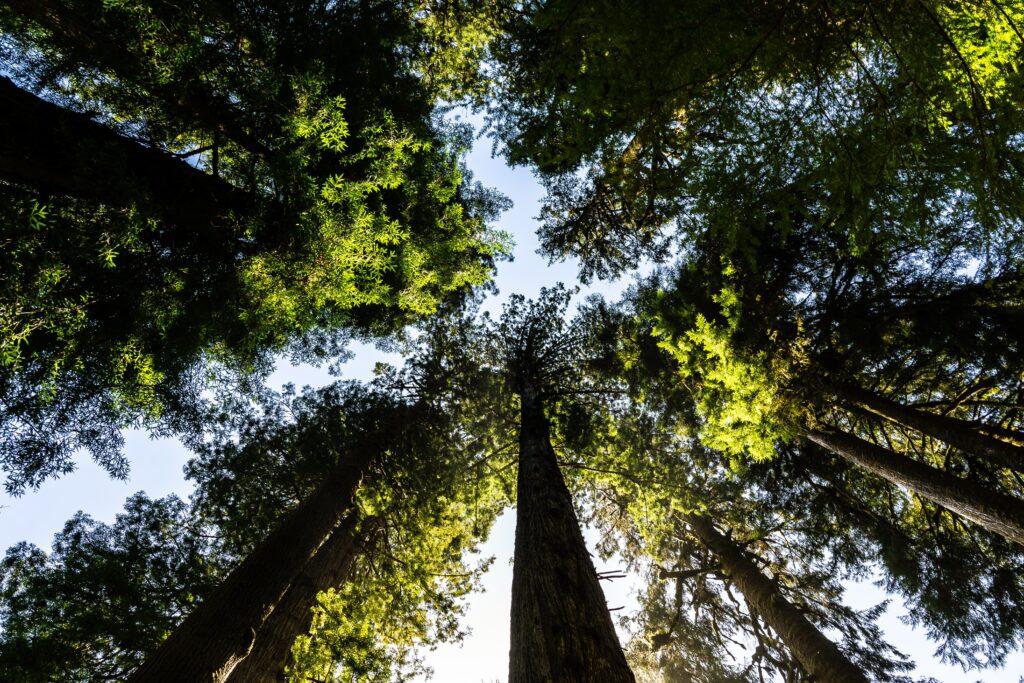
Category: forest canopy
[814,376]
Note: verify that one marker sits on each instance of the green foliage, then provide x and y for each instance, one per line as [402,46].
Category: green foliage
[105,596]
[406,595]
[657,125]
[324,199]
[741,397]
[430,504]
[32,304]
[980,45]
[364,246]
[457,37]
[840,181]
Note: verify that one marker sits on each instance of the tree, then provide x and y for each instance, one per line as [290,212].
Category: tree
[1002,446]
[387,577]
[222,631]
[560,628]
[420,511]
[996,512]
[818,654]
[654,124]
[372,471]
[331,566]
[106,595]
[266,194]
[958,582]
[920,543]
[746,578]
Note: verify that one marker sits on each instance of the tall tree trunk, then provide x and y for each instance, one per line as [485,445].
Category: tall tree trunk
[816,653]
[191,99]
[221,632]
[961,434]
[995,511]
[52,149]
[561,628]
[329,568]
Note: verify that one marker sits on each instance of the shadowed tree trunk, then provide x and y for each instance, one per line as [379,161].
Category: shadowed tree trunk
[961,434]
[561,628]
[816,653]
[222,631]
[999,513]
[52,149]
[329,568]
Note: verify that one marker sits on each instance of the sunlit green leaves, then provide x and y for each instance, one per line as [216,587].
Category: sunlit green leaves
[741,395]
[982,42]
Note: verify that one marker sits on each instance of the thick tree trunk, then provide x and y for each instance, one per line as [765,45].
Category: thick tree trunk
[561,628]
[329,568]
[960,434]
[221,632]
[995,511]
[52,149]
[190,99]
[816,653]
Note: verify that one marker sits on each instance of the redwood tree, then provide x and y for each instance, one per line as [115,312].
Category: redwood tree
[561,629]
[222,631]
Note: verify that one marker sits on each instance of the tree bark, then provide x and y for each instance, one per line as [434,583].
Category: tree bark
[222,631]
[561,628]
[55,150]
[999,513]
[960,434]
[822,659]
[329,568]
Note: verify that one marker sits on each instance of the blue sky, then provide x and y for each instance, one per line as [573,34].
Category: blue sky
[157,469]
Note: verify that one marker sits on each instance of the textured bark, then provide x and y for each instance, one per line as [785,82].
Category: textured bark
[961,434]
[214,638]
[816,653]
[329,568]
[55,150]
[191,99]
[995,511]
[561,628]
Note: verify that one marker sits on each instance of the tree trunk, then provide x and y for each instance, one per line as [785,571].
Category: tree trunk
[329,568]
[999,513]
[960,434]
[222,631]
[816,653]
[52,149]
[561,628]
